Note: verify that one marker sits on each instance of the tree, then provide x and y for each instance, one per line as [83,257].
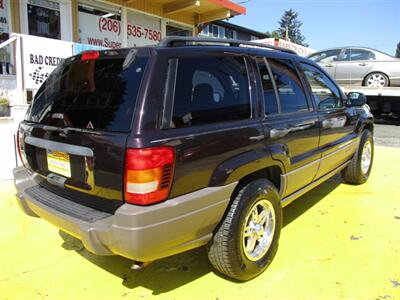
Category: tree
[290,23]
[273,34]
[398,50]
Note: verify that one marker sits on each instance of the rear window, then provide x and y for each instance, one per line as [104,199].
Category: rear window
[96,94]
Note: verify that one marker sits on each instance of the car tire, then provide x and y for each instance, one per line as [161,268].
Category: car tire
[376,80]
[230,250]
[357,172]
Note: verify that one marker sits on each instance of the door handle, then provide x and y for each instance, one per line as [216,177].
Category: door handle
[257,137]
[302,126]
[329,65]
[278,133]
[362,64]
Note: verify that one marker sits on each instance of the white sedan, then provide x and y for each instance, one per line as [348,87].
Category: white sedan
[359,66]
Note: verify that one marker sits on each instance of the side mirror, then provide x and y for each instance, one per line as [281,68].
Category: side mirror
[356,99]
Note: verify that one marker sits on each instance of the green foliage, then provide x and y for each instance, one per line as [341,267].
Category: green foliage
[398,50]
[292,24]
[273,34]
[4,102]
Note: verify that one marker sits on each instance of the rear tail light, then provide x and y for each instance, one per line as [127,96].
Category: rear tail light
[90,55]
[148,175]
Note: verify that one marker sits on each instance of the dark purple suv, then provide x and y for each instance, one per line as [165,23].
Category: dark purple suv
[148,152]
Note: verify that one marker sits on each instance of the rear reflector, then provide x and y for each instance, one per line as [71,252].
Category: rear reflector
[148,174]
[21,153]
[90,55]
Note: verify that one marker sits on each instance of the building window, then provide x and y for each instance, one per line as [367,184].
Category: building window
[205,31]
[5,57]
[230,33]
[218,31]
[100,26]
[214,31]
[44,19]
[221,32]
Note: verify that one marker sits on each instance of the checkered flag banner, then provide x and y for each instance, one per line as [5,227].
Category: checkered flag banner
[39,75]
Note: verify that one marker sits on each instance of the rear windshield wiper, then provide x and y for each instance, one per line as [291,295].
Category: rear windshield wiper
[67,130]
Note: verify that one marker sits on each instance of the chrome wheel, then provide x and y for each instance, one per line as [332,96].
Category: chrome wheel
[366,157]
[376,80]
[258,230]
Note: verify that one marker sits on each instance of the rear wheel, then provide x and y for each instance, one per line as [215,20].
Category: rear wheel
[357,172]
[247,239]
[376,80]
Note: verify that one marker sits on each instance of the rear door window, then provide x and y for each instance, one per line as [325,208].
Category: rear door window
[289,86]
[96,94]
[358,54]
[210,90]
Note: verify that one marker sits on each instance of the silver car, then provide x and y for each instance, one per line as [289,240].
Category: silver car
[359,66]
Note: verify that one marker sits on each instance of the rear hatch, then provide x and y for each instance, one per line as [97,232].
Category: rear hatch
[75,132]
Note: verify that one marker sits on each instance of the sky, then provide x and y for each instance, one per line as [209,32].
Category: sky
[327,23]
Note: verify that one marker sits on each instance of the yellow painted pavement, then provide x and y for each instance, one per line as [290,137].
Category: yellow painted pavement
[338,242]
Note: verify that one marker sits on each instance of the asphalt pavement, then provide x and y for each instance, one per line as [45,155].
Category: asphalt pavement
[387,135]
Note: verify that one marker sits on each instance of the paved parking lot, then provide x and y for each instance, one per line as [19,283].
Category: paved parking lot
[338,242]
[387,135]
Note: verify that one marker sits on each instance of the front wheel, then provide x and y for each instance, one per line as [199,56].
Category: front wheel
[357,172]
[246,241]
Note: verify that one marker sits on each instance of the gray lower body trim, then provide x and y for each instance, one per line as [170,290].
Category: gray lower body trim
[394,81]
[141,233]
[295,175]
[289,199]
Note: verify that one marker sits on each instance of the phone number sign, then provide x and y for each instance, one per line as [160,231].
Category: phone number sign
[108,32]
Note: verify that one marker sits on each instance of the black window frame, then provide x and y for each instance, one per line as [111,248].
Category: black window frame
[169,85]
[342,98]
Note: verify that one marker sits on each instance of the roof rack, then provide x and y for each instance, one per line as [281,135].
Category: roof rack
[172,41]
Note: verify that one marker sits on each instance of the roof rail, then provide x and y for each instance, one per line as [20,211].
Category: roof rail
[170,41]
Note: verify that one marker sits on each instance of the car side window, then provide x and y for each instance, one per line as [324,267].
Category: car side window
[325,93]
[358,54]
[210,90]
[326,56]
[288,84]
[267,86]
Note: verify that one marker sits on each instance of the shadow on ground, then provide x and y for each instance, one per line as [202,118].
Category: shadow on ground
[170,273]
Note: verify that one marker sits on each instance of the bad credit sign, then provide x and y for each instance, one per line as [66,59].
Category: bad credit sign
[40,57]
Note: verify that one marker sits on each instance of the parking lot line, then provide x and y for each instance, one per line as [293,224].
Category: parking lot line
[338,241]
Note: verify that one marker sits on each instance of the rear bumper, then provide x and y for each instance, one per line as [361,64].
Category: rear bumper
[141,233]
